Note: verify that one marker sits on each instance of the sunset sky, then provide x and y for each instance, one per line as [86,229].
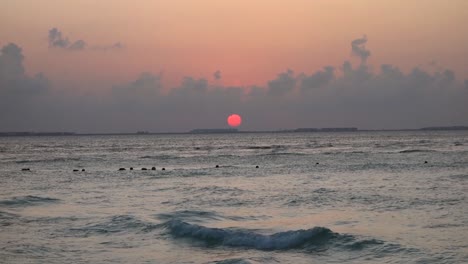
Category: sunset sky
[157,52]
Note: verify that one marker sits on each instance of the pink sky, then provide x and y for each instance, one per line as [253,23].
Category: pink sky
[125,66]
[248,41]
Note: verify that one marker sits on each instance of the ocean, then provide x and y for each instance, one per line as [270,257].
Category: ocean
[357,197]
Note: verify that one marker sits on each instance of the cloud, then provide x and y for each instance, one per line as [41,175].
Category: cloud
[332,96]
[78,45]
[21,96]
[217,75]
[58,40]
[145,86]
[11,62]
[115,46]
[13,80]
[318,79]
[358,48]
[284,83]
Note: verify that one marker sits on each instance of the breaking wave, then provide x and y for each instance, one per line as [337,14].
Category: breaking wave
[294,239]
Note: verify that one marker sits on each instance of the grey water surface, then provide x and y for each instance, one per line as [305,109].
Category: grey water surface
[361,197]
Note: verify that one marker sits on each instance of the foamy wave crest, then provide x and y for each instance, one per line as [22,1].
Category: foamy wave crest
[27,201]
[247,239]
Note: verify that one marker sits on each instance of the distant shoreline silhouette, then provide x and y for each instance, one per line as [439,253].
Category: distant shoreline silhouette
[233,130]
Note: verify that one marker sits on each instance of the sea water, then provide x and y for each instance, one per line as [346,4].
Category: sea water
[361,197]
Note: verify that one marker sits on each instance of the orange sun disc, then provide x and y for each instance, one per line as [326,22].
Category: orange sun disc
[234,120]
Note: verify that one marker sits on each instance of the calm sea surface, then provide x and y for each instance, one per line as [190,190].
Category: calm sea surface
[364,197]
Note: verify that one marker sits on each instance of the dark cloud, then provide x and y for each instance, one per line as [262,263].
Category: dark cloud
[13,80]
[284,83]
[22,97]
[58,40]
[345,96]
[318,79]
[358,48]
[11,62]
[78,45]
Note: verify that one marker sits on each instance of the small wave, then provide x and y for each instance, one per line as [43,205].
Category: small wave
[444,225]
[161,157]
[259,147]
[116,224]
[204,148]
[267,147]
[284,154]
[323,190]
[232,261]
[7,219]
[54,220]
[361,244]
[459,177]
[192,215]
[201,216]
[327,145]
[416,150]
[27,201]
[218,190]
[246,239]
[7,215]
[48,160]
[32,251]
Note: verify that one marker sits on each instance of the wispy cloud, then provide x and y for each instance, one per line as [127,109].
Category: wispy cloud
[358,48]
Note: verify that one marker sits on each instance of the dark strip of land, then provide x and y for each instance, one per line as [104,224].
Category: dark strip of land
[231,130]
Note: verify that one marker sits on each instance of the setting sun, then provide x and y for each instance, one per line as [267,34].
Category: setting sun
[234,120]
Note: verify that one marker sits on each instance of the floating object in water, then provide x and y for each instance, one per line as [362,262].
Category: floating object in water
[82,169]
[75,170]
[25,169]
[217,166]
[425,162]
[121,169]
[153,168]
[163,169]
[143,168]
[131,168]
[257,167]
[317,163]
